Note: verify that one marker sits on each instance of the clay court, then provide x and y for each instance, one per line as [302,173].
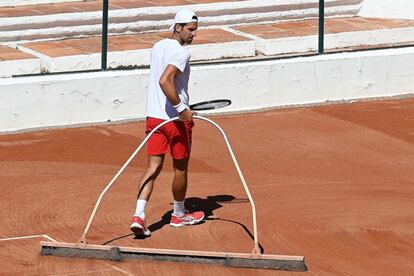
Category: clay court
[333,183]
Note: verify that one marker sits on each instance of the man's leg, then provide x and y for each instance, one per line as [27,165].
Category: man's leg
[146,184]
[180,216]
[179,186]
[154,167]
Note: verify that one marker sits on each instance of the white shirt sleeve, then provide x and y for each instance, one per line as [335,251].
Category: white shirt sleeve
[179,59]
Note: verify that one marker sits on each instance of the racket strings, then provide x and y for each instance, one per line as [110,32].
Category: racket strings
[212,105]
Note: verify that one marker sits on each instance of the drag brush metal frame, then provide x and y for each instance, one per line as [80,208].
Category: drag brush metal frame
[255,259]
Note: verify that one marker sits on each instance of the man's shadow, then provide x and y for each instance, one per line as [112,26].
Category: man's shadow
[207,205]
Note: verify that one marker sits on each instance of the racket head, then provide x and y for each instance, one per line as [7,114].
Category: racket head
[210,105]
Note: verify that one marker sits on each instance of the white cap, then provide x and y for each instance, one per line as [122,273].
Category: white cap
[184,16]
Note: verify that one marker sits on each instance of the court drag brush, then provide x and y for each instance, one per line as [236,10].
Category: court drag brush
[254,260]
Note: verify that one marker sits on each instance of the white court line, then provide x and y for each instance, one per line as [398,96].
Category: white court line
[82,272]
[112,268]
[120,270]
[29,237]
[51,239]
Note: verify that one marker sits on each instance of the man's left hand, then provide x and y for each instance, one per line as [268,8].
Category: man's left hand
[187,115]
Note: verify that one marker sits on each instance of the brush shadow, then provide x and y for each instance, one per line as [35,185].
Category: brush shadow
[207,205]
[244,228]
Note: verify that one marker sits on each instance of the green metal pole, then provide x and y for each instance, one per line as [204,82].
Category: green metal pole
[321,26]
[104,51]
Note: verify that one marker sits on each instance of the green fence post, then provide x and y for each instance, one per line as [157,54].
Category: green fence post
[104,51]
[321,26]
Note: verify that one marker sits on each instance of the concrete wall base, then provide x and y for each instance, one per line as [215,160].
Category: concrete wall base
[62,100]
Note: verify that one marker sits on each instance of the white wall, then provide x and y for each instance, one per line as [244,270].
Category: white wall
[62,100]
[402,9]
[70,99]
[19,67]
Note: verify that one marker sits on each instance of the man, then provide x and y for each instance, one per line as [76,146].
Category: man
[168,98]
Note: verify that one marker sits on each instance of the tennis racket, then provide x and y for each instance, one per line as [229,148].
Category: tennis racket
[209,105]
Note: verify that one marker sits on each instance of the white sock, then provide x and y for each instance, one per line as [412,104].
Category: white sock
[140,210]
[179,208]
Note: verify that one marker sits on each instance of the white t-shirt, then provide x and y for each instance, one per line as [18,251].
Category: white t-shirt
[165,52]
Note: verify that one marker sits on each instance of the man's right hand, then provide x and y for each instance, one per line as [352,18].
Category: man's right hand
[187,115]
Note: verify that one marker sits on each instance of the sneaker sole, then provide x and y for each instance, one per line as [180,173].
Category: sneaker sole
[181,224]
[139,231]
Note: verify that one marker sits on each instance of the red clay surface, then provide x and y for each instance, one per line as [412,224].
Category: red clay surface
[7,53]
[82,46]
[89,45]
[117,43]
[332,25]
[332,183]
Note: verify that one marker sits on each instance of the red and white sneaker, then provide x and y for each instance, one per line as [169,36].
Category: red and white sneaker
[139,228]
[187,219]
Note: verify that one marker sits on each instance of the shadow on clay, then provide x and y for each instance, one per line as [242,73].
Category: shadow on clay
[207,205]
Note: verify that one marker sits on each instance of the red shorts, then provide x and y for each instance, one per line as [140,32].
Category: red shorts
[174,137]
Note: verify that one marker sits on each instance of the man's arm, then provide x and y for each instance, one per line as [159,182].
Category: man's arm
[167,83]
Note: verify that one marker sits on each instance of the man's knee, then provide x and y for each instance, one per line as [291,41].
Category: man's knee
[180,164]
